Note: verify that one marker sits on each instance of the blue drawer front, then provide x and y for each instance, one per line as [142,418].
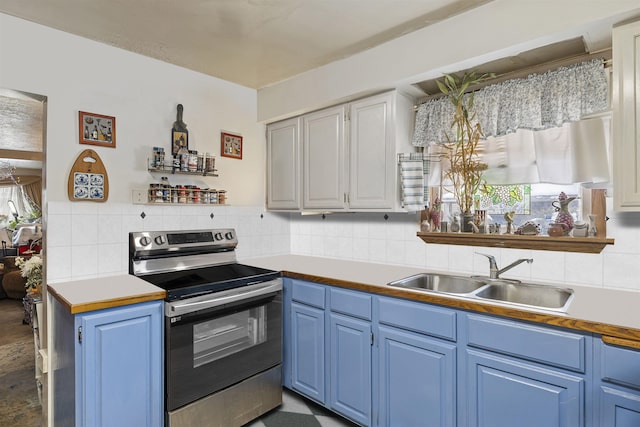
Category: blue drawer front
[544,345]
[620,365]
[308,293]
[352,303]
[414,316]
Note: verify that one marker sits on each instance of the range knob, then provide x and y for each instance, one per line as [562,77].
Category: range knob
[145,241]
[218,236]
[160,240]
[228,235]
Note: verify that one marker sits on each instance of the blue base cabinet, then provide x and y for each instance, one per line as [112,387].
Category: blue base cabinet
[382,361]
[416,380]
[110,366]
[350,367]
[506,393]
[516,373]
[619,408]
[617,371]
[308,351]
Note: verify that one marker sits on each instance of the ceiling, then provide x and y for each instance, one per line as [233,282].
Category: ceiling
[21,132]
[254,43]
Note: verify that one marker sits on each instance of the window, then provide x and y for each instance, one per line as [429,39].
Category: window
[539,209]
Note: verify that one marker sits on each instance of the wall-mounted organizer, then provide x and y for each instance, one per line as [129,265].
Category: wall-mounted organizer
[179,195]
[202,164]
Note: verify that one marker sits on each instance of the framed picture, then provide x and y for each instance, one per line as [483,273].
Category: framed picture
[96,129]
[179,138]
[230,145]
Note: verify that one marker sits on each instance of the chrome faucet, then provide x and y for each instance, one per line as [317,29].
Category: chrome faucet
[494,272]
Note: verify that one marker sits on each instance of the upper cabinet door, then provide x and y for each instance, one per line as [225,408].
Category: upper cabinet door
[626,117]
[372,153]
[324,159]
[283,165]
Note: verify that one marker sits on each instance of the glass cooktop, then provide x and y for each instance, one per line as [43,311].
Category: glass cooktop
[187,283]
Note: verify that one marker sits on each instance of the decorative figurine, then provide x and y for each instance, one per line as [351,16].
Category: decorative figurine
[509,218]
[434,214]
[529,228]
[562,207]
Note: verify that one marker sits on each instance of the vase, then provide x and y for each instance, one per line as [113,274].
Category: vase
[467,222]
[564,216]
[593,231]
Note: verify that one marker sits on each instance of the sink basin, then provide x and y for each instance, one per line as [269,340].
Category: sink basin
[439,283]
[548,297]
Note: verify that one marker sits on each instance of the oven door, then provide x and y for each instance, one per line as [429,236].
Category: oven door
[220,339]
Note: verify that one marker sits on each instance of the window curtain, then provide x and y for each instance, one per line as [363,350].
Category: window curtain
[534,127]
[33,191]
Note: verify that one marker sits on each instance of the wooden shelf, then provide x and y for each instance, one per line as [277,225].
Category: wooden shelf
[591,245]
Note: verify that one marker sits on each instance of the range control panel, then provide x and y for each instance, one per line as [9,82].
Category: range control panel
[175,240]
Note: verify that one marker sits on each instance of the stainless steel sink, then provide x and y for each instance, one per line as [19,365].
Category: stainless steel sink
[440,283]
[547,297]
[503,291]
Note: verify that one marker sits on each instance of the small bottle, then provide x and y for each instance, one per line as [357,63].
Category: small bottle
[201,163]
[164,185]
[184,158]
[160,164]
[193,161]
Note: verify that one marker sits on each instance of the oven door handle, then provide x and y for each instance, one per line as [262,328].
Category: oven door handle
[236,295]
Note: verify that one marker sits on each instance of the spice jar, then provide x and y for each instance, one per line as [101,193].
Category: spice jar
[193,161]
[182,194]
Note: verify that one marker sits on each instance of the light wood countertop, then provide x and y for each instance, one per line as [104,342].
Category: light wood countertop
[608,312]
[95,294]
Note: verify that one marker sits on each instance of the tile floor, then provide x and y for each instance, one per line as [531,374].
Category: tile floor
[297,411]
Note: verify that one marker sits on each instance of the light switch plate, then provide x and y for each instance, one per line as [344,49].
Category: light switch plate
[139,197]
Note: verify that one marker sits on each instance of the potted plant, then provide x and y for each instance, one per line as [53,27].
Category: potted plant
[465,171]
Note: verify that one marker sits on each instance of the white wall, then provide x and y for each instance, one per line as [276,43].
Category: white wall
[142,93]
[86,239]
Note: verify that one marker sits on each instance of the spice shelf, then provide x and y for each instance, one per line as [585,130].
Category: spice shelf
[165,168]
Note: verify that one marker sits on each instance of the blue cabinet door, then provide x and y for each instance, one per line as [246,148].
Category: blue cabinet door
[350,368]
[503,392]
[308,351]
[120,365]
[620,408]
[417,380]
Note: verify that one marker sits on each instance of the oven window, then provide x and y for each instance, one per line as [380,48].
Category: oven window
[223,336]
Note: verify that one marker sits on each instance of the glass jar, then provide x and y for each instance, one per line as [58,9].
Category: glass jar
[182,194]
[193,161]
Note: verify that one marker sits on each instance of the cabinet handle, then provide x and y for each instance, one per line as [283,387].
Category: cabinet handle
[80,334]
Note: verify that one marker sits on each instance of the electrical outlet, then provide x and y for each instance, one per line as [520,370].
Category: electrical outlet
[139,197]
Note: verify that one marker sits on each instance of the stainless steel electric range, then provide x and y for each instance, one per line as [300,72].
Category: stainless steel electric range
[223,326]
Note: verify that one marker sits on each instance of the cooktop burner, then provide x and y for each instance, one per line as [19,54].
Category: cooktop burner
[188,283]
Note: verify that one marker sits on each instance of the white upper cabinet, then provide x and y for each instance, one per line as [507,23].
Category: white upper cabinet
[283,165]
[349,156]
[379,128]
[324,155]
[626,117]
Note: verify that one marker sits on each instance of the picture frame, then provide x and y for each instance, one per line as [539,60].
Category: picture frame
[178,139]
[230,145]
[97,129]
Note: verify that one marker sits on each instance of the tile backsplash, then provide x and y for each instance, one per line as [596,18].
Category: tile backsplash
[87,240]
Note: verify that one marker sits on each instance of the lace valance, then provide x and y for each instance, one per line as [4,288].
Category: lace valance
[540,101]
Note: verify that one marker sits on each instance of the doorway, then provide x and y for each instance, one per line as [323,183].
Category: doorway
[23,387]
